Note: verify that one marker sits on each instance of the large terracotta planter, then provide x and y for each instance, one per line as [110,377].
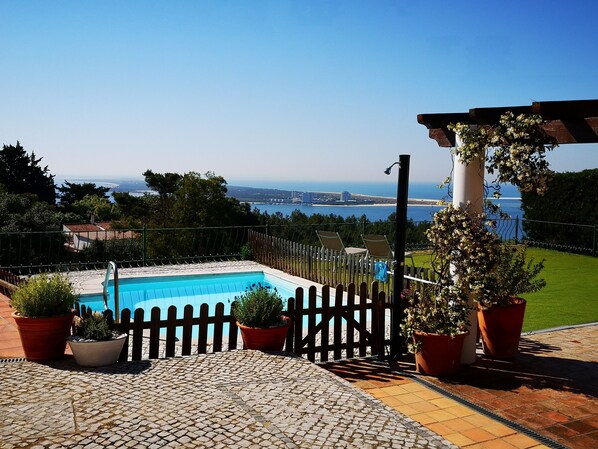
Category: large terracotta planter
[44,338]
[500,328]
[270,339]
[97,353]
[439,355]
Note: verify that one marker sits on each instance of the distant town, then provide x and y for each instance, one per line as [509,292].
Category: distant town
[275,196]
[258,195]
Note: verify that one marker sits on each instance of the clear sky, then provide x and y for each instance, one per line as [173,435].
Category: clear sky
[279,89]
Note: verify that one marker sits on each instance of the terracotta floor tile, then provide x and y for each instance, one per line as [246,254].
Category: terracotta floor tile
[478,420]
[428,395]
[478,435]
[555,416]
[363,384]
[460,411]
[497,444]
[499,430]
[424,406]
[441,415]
[403,408]
[394,402]
[580,426]
[536,422]
[588,441]
[561,431]
[407,398]
[414,386]
[443,402]
[521,441]
[423,418]
[458,439]
[376,392]
[459,425]
[394,390]
[439,428]
[498,404]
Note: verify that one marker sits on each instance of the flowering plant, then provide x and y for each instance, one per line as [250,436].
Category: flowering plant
[436,309]
[468,252]
[464,247]
[463,244]
[515,149]
[259,306]
[95,326]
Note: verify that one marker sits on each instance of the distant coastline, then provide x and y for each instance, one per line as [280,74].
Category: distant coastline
[375,200]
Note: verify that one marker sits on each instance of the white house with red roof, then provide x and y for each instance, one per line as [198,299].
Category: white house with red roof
[81,235]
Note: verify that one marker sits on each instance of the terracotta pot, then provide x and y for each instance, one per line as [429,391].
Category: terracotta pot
[270,339]
[97,353]
[44,338]
[439,355]
[500,328]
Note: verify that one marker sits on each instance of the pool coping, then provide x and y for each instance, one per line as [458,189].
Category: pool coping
[90,282]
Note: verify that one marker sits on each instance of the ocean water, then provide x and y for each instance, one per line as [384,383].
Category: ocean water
[510,201]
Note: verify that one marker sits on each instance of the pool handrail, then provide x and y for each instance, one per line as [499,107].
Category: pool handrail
[112,266]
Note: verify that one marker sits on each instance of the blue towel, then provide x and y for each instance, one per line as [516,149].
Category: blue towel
[381,271]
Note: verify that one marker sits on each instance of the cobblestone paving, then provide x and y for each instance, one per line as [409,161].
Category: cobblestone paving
[238,399]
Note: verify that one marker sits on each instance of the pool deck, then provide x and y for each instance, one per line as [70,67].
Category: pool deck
[546,397]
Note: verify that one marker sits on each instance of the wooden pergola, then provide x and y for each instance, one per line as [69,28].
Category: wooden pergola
[567,122]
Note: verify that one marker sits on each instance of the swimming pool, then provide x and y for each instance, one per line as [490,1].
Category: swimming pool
[164,291]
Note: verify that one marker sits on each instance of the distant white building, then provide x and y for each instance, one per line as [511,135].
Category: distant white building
[80,236]
[345,197]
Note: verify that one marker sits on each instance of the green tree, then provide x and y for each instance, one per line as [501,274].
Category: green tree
[135,211]
[202,201]
[100,208]
[21,173]
[71,192]
[23,213]
[22,241]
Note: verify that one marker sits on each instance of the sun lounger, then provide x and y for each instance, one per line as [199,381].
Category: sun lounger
[378,247]
[332,240]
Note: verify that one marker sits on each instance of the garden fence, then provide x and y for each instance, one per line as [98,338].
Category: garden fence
[332,325]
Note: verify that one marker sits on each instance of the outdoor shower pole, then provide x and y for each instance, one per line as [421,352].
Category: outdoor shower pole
[397,306]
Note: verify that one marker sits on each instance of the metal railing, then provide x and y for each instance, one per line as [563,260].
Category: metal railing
[32,252]
[114,269]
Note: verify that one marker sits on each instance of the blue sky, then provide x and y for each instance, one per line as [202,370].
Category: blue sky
[280,89]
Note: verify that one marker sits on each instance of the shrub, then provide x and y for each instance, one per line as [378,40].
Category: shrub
[260,306]
[44,296]
[512,276]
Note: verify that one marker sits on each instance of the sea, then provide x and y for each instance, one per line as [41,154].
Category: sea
[510,201]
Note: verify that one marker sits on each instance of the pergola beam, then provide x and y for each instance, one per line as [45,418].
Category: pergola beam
[568,121]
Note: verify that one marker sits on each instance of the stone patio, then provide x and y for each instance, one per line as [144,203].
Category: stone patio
[238,399]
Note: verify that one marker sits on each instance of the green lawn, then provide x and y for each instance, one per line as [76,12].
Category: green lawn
[571,293]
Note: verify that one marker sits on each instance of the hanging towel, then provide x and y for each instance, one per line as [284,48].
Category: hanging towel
[381,271]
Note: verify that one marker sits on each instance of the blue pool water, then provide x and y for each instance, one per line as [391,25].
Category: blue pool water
[164,291]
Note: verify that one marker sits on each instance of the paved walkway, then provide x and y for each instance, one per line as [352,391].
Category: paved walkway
[237,399]
[550,389]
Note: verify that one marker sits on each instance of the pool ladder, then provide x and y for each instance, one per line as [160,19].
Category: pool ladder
[112,267]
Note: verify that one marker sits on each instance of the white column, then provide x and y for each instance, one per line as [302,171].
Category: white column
[468,186]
